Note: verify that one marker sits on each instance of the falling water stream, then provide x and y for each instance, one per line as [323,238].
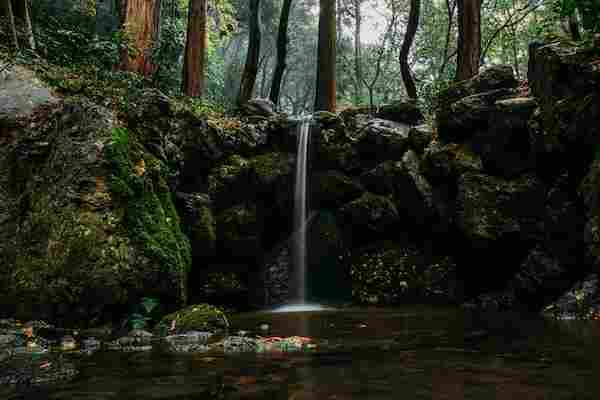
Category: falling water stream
[299,252]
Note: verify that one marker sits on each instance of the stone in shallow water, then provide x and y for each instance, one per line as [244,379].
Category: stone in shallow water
[239,344]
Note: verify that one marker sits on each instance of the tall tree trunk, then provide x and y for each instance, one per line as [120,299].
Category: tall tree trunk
[11,21]
[411,31]
[21,11]
[325,97]
[469,39]
[450,9]
[251,67]
[282,41]
[142,23]
[195,49]
[357,51]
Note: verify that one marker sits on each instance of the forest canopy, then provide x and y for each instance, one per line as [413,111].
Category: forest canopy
[224,52]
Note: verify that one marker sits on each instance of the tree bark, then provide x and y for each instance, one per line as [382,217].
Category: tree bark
[409,37]
[195,49]
[282,41]
[325,97]
[251,67]
[450,8]
[21,11]
[469,39]
[11,21]
[142,23]
[357,52]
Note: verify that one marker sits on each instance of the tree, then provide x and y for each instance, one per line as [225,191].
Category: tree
[282,43]
[11,21]
[469,39]
[195,49]
[409,37]
[21,11]
[251,67]
[325,98]
[357,50]
[142,25]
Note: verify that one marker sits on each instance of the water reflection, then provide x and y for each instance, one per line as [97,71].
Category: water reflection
[364,354]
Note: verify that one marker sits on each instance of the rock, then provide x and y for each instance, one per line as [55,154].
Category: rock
[505,145]
[199,222]
[419,137]
[239,233]
[198,317]
[403,111]
[463,118]
[581,301]
[443,161]
[331,189]
[393,272]
[21,93]
[403,181]
[260,107]
[7,340]
[268,175]
[368,217]
[239,344]
[490,207]
[105,226]
[382,140]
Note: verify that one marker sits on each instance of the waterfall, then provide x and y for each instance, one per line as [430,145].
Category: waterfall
[299,253]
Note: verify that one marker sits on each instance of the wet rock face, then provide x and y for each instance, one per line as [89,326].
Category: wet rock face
[488,207]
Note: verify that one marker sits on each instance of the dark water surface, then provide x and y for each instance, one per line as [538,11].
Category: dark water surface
[406,353]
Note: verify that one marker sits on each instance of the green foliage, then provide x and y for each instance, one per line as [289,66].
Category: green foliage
[151,219]
[589,12]
[144,313]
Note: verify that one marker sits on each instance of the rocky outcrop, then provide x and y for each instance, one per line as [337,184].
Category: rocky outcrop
[87,219]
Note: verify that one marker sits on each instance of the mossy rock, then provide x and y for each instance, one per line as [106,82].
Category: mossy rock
[198,317]
[368,217]
[331,189]
[239,232]
[391,272]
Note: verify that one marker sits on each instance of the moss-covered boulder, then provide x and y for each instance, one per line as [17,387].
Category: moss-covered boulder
[382,140]
[239,233]
[404,111]
[240,178]
[199,223]
[444,162]
[419,137]
[392,272]
[198,317]
[88,221]
[368,217]
[490,207]
[402,181]
[331,189]
[505,147]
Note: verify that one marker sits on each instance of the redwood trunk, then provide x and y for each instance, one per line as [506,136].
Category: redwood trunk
[142,21]
[469,39]
[195,49]
[251,67]
[282,40]
[325,97]
[409,37]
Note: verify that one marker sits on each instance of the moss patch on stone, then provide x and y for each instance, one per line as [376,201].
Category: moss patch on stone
[198,317]
[151,219]
[389,272]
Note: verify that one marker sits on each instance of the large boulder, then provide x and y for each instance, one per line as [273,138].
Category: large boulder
[259,107]
[331,189]
[239,233]
[368,217]
[403,111]
[199,223]
[489,207]
[402,180]
[419,137]
[444,162]
[393,272]
[505,146]
[382,140]
[466,105]
[87,220]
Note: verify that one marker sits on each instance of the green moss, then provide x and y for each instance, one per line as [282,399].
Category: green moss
[198,317]
[151,218]
[389,272]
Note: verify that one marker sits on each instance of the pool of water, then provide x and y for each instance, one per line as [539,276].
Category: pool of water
[406,353]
